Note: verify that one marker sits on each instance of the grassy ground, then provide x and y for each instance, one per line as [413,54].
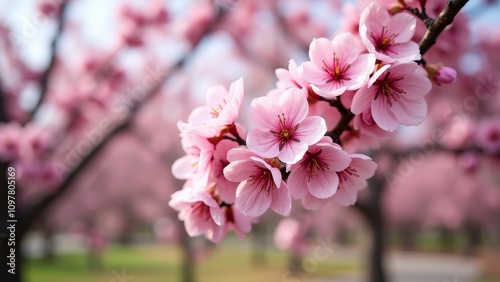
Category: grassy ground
[162,263]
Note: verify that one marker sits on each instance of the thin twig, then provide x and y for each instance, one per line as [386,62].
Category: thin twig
[437,25]
[44,80]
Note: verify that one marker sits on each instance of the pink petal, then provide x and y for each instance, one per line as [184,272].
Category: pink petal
[314,75]
[263,143]
[281,200]
[312,203]
[324,185]
[217,215]
[337,159]
[251,201]
[363,99]
[384,118]
[403,25]
[346,195]
[359,71]
[320,50]
[406,52]
[238,154]
[262,111]
[345,47]
[292,152]
[240,170]
[294,106]
[410,112]
[297,182]
[311,130]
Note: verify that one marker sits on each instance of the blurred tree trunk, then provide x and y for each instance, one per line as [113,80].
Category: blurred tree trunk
[259,244]
[188,263]
[371,208]
[446,239]
[407,236]
[473,237]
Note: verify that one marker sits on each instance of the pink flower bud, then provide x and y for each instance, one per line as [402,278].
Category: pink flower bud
[445,75]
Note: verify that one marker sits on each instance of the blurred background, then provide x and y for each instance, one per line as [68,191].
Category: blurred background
[90,94]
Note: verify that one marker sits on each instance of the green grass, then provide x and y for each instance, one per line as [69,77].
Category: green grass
[162,263]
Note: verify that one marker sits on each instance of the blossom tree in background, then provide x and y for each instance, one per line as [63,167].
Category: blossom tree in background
[340,96]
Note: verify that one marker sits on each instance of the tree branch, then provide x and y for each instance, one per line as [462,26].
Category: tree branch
[343,124]
[44,80]
[437,25]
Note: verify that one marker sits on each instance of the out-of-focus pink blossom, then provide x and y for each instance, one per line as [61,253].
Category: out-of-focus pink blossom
[261,184]
[395,95]
[337,65]
[388,37]
[288,236]
[488,135]
[10,134]
[283,128]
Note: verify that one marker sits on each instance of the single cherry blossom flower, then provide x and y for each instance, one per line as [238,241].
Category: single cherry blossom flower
[283,129]
[220,111]
[337,65]
[9,141]
[199,210]
[292,77]
[261,184]
[395,95]
[488,135]
[353,178]
[387,36]
[316,173]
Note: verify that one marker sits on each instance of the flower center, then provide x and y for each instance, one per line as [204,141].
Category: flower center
[336,70]
[387,87]
[347,173]
[494,136]
[215,111]
[385,41]
[201,210]
[313,164]
[262,179]
[286,131]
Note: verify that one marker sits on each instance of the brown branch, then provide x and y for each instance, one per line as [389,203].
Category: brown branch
[437,25]
[343,124]
[44,80]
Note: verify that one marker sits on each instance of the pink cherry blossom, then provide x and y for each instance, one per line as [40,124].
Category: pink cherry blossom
[395,95]
[292,78]
[199,211]
[316,173]
[353,178]
[220,111]
[9,141]
[488,135]
[337,65]
[283,129]
[261,184]
[388,37]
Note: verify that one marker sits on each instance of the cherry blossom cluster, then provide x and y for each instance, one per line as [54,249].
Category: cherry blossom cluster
[356,86]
